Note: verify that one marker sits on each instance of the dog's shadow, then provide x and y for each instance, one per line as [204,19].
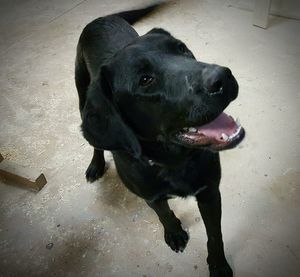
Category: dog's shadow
[112,193]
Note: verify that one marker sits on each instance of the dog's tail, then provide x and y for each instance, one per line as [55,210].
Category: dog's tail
[135,15]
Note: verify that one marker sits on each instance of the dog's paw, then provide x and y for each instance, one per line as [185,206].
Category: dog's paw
[94,172]
[177,240]
[221,271]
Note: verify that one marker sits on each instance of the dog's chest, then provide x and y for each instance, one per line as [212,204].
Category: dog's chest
[180,184]
[184,190]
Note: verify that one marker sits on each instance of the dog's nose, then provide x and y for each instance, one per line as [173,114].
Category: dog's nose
[215,78]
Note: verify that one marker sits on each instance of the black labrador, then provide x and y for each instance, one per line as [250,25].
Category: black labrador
[160,112]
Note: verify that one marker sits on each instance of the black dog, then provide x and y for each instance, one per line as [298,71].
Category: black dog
[159,111]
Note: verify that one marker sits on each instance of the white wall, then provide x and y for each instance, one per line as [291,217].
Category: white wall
[287,8]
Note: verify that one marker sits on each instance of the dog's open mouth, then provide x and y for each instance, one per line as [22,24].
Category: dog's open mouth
[220,134]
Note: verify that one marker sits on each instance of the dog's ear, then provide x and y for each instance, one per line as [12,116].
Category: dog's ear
[159,31]
[102,124]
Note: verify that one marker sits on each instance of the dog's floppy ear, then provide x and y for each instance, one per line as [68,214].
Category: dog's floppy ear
[102,125]
[159,31]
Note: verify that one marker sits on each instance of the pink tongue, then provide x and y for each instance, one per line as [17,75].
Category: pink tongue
[222,124]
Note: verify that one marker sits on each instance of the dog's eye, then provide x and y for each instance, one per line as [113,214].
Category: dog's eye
[181,47]
[146,80]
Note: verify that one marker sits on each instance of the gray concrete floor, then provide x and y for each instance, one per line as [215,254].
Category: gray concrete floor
[101,229]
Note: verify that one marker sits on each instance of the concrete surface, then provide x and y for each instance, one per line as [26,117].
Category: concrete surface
[72,228]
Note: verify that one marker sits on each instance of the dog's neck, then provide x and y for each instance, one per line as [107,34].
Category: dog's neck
[164,154]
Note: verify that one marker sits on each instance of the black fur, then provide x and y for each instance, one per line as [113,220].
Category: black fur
[135,120]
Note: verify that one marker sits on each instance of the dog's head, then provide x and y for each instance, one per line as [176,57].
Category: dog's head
[155,90]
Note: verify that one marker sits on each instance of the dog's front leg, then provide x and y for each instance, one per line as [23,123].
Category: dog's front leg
[175,236]
[210,210]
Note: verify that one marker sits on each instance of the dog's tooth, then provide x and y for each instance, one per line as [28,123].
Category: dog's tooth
[192,129]
[237,121]
[185,129]
[238,129]
[224,137]
[235,133]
